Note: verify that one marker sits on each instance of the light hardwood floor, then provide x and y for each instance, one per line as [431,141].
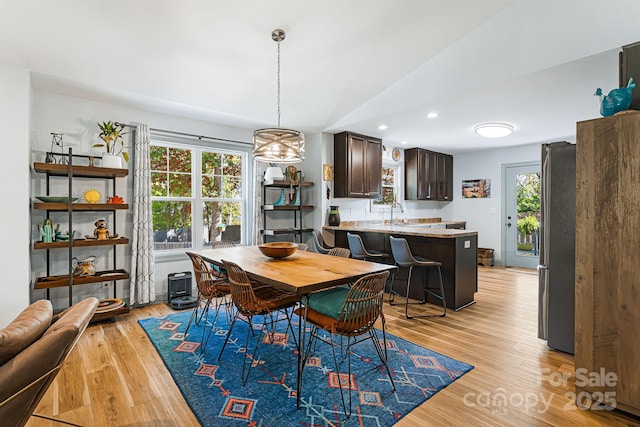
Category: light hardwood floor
[114,377]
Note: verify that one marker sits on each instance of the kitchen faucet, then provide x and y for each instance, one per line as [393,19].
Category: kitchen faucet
[395,205]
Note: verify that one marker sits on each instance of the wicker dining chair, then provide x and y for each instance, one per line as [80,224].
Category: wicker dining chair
[211,288]
[351,313]
[250,301]
[339,252]
[221,244]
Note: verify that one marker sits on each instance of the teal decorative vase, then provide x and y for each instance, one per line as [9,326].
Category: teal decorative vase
[281,201]
[296,197]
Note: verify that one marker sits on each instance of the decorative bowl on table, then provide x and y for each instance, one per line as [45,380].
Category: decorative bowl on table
[278,250]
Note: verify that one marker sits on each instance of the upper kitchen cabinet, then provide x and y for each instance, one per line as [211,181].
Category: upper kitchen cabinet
[357,165]
[428,175]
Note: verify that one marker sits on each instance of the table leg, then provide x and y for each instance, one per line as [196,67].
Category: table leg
[301,351]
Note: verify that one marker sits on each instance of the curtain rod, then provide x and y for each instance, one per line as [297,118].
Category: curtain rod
[190,135]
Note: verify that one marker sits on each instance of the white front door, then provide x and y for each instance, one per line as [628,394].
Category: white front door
[521,209]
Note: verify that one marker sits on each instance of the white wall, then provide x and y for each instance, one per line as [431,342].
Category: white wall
[485,215]
[14,173]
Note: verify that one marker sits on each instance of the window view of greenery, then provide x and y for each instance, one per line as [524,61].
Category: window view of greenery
[221,179]
[175,197]
[387,195]
[528,205]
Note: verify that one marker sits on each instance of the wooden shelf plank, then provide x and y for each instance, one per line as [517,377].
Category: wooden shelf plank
[80,171]
[286,184]
[90,207]
[78,243]
[278,231]
[63,280]
[287,207]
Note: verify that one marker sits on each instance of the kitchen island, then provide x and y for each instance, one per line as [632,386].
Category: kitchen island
[454,248]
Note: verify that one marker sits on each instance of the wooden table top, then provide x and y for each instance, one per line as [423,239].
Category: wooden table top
[301,273]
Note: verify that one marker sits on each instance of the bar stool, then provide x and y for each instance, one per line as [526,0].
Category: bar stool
[405,259]
[358,251]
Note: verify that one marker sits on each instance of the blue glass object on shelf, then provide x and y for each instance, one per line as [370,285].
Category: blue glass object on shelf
[617,100]
[295,197]
[281,200]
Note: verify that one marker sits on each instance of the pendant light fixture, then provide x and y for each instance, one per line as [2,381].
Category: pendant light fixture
[277,145]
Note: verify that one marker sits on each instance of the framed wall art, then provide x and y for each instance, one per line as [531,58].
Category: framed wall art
[476,188]
[327,172]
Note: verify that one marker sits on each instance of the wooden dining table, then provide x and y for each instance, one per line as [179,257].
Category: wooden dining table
[301,273]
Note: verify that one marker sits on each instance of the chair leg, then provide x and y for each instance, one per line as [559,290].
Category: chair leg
[382,353]
[429,292]
[349,375]
[335,361]
[226,339]
[204,326]
[406,303]
[218,304]
[254,353]
[392,293]
[194,315]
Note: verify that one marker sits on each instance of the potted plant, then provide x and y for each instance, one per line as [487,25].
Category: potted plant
[111,134]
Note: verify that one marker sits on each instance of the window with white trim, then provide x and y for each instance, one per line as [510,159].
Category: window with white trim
[196,196]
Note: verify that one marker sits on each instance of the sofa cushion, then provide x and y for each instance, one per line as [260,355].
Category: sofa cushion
[25,329]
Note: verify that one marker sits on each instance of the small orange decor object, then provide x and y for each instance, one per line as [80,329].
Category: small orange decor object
[278,250]
[115,200]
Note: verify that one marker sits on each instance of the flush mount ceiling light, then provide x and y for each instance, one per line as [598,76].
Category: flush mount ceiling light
[493,130]
[383,127]
[277,145]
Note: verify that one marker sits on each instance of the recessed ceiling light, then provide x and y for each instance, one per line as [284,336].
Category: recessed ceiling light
[383,127]
[493,130]
[432,115]
[404,142]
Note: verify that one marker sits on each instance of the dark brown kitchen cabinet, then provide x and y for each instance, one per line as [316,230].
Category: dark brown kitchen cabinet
[428,175]
[444,177]
[357,165]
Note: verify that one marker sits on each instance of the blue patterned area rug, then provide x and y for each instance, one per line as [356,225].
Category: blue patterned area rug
[213,389]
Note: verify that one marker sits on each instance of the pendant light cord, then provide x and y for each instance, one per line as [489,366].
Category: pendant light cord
[278,84]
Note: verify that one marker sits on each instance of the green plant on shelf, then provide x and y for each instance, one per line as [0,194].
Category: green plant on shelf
[111,134]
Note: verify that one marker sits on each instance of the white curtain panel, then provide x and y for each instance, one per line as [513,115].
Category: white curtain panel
[259,169]
[142,289]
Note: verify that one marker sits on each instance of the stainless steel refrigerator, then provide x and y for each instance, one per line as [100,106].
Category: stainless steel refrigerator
[556,287]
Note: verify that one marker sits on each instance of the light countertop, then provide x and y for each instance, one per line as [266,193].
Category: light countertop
[420,227]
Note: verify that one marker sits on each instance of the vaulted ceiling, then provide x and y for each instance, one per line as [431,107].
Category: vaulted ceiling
[345,65]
